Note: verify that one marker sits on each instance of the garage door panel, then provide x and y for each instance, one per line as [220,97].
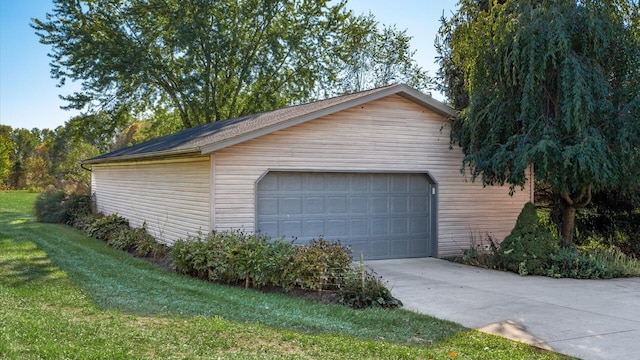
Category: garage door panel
[380,204]
[291,205]
[379,183]
[358,204]
[384,215]
[269,227]
[400,248]
[399,204]
[399,226]
[268,184]
[336,182]
[314,228]
[291,183]
[337,205]
[337,227]
[268,206]
[292,228]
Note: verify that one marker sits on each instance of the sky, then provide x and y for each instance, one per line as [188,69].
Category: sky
[29,97]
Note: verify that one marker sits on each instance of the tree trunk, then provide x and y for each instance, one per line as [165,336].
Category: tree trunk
[568,224]
[579,200]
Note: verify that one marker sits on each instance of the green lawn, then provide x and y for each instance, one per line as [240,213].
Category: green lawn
[64,295]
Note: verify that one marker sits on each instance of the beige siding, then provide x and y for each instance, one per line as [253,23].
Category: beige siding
[173,197]
[392,134]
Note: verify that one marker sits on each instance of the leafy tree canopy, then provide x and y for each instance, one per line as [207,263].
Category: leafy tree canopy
[555,84]
[209,60]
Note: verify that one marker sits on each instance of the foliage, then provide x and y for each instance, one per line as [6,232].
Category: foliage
[569,262]
[593,263]
[66,295]
[6,152]
[50,207]
[321,264]
[550,83]
[78,205]
[58,206]
[232,256]
[208,60]
[535,252]
[613,219]
[146,245]
[42,158]
[363,289]
[484,253]
[108,229]
[528,249]
[374,57]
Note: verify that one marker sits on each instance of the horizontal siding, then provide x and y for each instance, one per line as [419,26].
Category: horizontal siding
[391,134]
[172,197]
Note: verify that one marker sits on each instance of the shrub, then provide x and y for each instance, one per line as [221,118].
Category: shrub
[137,239]
[483,254]
[146,244]
[182,256]
[528,249]
[58,206]
[83,222]
[614,260]
[569,262]
[321,264]
[78,206]
[50,206]
[108,228]
[366,289]
[279,269]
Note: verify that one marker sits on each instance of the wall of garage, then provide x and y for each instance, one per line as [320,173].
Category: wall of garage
[170,196]
[390,134]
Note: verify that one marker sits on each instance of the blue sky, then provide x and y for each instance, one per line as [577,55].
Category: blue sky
[30,98]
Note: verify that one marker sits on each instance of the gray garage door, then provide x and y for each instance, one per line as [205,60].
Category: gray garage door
[384,215]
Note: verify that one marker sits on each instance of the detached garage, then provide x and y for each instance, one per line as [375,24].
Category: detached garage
[372,169]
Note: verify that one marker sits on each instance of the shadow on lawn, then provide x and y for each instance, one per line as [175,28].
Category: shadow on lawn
[21,262]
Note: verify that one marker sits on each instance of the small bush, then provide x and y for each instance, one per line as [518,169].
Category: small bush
[358,292]
[615,261]
[528,249]
[280,270]
[485,253]
[570,263]
[78,207]
[108,228]
[50,207]
[146,245]
[321,265]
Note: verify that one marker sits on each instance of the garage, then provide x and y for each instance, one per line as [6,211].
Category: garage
[384,215]
[373,169]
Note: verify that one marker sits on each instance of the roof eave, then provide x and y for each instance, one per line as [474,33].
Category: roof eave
[147,156]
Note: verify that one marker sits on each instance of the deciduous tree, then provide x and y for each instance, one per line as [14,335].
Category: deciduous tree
[204,60]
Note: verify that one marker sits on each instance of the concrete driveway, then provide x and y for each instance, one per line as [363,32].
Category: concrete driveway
[589,319]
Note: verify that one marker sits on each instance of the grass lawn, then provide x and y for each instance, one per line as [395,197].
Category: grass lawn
[64,295]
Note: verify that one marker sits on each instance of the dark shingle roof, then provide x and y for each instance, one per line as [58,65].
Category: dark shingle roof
[210,137]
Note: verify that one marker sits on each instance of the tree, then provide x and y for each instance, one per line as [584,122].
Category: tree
[555,84]
[373,57]
[205,60]
[25,145]
[6,152]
